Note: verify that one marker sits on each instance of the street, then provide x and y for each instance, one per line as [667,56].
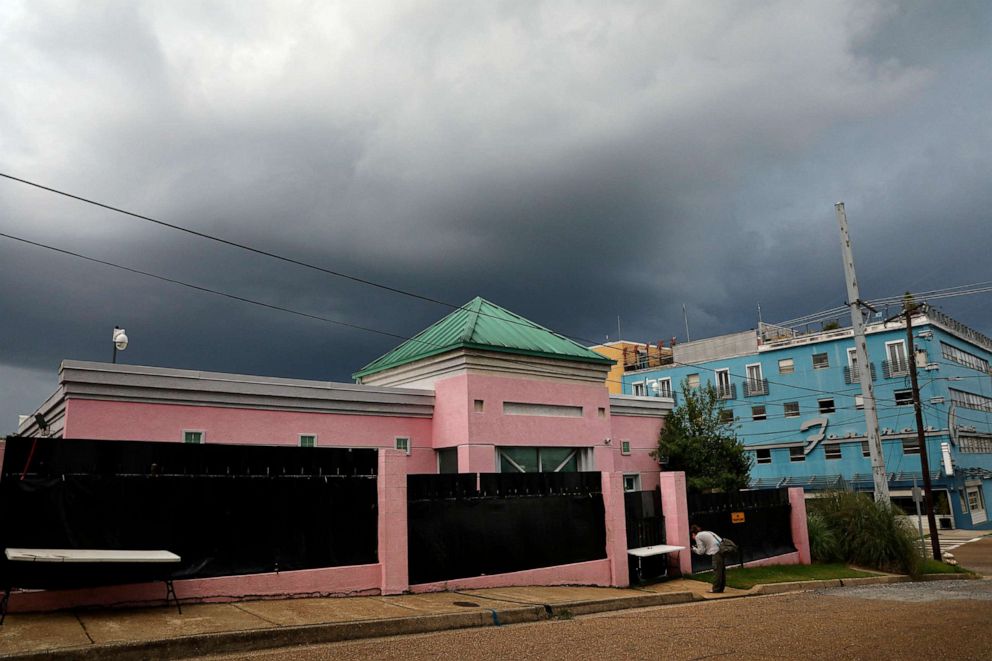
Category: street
[945,619]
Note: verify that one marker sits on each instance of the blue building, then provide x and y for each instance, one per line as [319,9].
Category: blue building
[796,403]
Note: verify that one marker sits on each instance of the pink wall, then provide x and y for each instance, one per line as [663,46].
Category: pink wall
[616,528]
[642,432]
[594,572]
[337,581]
[94,419]
[393,552]
[800,532]
[675,507]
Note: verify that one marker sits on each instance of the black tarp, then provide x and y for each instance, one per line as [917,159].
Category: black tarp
[219,524]
[554,519]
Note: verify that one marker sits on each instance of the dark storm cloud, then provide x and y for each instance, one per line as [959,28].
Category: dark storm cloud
[569,161]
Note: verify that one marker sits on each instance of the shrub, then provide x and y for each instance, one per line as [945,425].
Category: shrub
[853,528]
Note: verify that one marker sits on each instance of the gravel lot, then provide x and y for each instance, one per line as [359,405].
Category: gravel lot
[937,620]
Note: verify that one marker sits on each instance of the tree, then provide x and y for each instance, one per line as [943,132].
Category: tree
[700,441]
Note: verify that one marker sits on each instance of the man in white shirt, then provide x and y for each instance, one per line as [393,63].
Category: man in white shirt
[705,542]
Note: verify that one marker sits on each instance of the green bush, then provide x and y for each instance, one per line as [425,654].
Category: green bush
[851,527]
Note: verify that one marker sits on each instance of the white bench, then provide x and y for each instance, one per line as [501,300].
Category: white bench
[649,551]
[90,556]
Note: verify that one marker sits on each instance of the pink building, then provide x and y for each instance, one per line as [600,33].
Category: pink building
[482,390]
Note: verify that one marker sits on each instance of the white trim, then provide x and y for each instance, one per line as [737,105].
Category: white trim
[396,444]
[299,439]
[201,432]
[636,477]
[622,444]
[852,357]
[661,389]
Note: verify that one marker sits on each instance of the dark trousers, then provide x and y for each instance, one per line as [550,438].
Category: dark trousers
[719,571]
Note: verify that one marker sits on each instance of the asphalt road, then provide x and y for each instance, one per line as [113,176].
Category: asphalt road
[950,619]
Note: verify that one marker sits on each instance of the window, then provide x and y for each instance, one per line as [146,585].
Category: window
[791,409]
[960,357]
[726,415]
[865,450]
[723,389]
[758,413]
[692,380]
[974,444]
[896,353]
[624,447]
[639,389]
[763,456]
[820,361]
[903,397]
[538,460]
[852,360]
[832,451]
[631,482]
[827,405]
[786,366]
[970,400]
[601,412]
[976,500]
[192,437]
[797,454]
[402,444]
[664,387]
[447,461]
[308,440]
[910,446]
[859,402]
[480,406]
[755,383]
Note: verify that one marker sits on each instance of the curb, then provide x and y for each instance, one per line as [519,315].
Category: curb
[572,608]
[233,642]
[795,586]
[949,577]
[873,580]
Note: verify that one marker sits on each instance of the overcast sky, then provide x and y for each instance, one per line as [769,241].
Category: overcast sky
[571,161]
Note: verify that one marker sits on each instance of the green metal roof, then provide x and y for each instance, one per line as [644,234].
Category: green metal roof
[480,324]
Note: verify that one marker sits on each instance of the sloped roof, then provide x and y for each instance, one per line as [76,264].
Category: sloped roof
[480,324]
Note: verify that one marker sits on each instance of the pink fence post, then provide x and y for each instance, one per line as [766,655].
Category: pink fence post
[675,507]
[616,528]
[392,522]
[800,533]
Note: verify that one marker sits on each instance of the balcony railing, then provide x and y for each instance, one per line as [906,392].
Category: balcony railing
[726,390]
[854,375]
[895,368]
[755,387]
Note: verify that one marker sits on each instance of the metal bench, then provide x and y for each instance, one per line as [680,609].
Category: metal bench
[48,560]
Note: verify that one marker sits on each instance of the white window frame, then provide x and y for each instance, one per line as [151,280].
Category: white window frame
[300,437]
[833,405]
[635,482]
[665,387]
[787,414]
[763,460]
[201,432]
[396,444]
[903,393]
[859,402]
[638,385]
[625,447]
[820,367]
[852,358]
[791,366]
[691,378]
[723,390]
[905,357]
[761,416]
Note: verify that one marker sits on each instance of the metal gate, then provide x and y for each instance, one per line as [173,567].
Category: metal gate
[645,527]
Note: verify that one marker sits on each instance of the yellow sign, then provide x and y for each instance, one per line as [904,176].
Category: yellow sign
[737,517]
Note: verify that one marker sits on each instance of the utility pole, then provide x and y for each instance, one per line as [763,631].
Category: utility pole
[908,308]
[686,318]
[879,476]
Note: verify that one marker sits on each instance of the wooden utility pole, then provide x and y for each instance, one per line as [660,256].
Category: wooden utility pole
[879,476]
[908,309]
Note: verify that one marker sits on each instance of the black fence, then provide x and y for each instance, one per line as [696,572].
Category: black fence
[645,527]
[466,525]
[225,509]
[764,529]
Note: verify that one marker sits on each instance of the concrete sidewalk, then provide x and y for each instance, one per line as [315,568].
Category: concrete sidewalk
[204,629]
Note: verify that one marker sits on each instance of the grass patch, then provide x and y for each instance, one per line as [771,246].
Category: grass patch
[931,566]
[748,577]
